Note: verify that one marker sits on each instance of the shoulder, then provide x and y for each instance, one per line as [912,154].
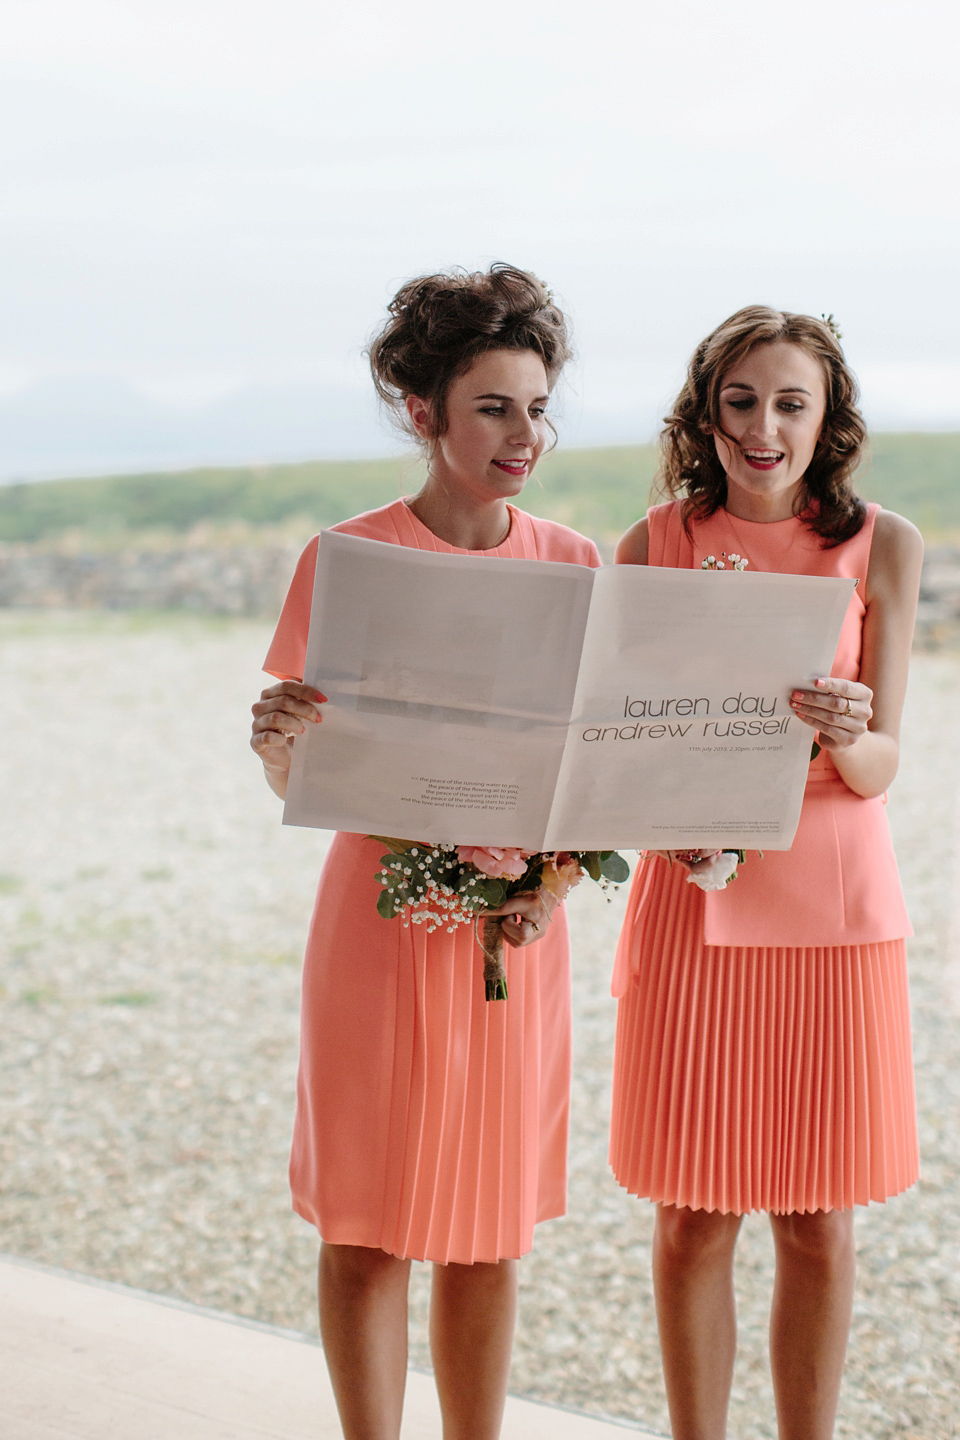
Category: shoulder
[893,534]
[372,525]
[559,542]
[896,555]
[896,542]
[633,547]
[380,524]
[307,563]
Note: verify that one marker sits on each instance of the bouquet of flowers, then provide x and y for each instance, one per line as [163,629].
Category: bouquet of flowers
[450,885]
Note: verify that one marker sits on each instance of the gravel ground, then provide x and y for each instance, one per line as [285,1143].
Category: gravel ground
[152,913]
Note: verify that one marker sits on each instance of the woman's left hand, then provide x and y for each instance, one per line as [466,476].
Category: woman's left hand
[839,710]
[525,917]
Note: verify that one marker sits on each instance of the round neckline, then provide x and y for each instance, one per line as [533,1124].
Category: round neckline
[460,549]
[761,524]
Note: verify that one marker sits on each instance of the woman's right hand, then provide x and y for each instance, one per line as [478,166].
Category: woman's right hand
[525,917]
[283,712]
[689,859]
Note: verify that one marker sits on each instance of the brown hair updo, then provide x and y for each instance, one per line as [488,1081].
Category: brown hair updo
[690,466]
[439,324]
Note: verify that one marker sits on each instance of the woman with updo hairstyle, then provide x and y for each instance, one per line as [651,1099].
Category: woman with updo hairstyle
[763,1057]
[431,1125]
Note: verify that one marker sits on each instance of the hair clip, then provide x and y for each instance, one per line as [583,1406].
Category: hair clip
[832,326]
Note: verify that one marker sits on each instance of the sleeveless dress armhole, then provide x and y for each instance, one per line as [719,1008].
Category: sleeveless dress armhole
[858,546]
[669,543]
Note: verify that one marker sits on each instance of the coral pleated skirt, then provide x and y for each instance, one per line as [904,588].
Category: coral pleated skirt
[430,1123]
[753,1078]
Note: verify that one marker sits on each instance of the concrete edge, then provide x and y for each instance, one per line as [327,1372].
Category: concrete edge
[173,1302]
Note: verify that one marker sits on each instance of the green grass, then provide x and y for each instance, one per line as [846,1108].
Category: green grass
[264,494]
[918,475]
[597,491]
[42,995]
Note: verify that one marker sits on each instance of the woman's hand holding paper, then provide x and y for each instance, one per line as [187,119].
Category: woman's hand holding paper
[282,712]
[839,710]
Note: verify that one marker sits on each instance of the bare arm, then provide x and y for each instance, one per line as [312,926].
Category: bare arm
[283,711]
[865,746]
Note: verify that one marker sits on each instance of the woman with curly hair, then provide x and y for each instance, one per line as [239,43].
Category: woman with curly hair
[763,1054]
[430,1124]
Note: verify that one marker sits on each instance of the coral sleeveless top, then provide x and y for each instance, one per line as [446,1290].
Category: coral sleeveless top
[838,884]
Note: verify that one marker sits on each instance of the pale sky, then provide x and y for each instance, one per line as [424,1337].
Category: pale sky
[205,206]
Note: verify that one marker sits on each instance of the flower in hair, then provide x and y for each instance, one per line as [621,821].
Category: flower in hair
[832,326]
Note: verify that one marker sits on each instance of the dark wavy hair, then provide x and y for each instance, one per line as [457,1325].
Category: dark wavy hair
[689,464]
[440,324]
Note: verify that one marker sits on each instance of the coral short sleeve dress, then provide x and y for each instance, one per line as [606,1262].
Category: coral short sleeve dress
[430,1123]
[763,1056]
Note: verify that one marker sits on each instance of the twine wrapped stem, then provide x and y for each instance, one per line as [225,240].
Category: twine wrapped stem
[491,943]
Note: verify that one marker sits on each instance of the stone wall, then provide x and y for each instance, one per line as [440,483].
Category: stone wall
[938,614]
[252,580]
[229,580]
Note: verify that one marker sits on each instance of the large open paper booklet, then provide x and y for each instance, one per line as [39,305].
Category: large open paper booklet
[550,706]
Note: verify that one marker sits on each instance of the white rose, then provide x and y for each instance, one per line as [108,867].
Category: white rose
[715,873]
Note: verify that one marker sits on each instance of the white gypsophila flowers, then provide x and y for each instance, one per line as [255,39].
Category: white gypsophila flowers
[447,911]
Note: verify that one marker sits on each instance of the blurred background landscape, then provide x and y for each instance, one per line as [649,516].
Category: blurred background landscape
[225,540]
[153,910]
[204,209]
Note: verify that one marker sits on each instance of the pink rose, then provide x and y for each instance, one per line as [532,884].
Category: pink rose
[494,861]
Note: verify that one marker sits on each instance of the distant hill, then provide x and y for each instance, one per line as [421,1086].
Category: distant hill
[597,491]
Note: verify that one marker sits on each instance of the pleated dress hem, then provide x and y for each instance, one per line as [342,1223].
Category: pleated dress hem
[681,1204]
[352,1234]
[750,1079]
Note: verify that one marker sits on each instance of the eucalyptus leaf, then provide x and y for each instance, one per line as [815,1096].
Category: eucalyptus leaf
[492,892]
[615,868]
[591,863]
[386,906]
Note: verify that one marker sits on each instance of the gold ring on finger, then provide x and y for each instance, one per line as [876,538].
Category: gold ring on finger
[848,713]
